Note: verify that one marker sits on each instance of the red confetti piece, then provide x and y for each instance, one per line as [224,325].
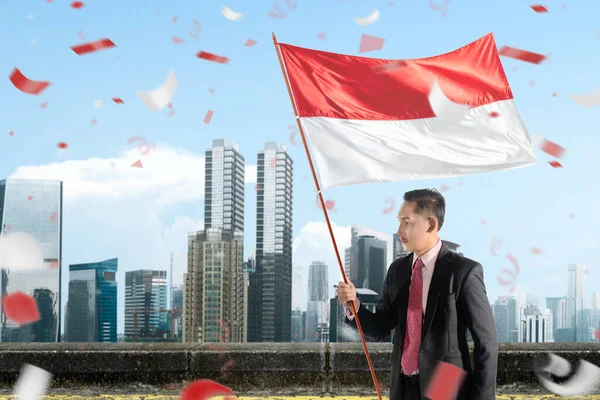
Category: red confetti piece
[445,382]
[92,47]
[30,197]
[273,162]
[8,227]
[21,308]
[212,57]
[552,149]
[144,147]
[535,250]
[329,204]
[539,8]
[522,55]
[174,19]
[177,40]
[62,145]
[43,105]
[171,113]
[555,164]
[531,83]
[208,117]
[554,94]
[118,100]
[11,133]
[170,105]
[53,264]
[392,205]
[444,188]
[514,273]
[137,164]
[211,91]
[26,85]
[53,217]
[94,121]
[370,43]
[321,36]
[204,389]
[77,4]
[494,114]
[250,43]
[258,187]
[597,334]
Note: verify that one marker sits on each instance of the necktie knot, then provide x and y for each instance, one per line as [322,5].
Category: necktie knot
[419,264]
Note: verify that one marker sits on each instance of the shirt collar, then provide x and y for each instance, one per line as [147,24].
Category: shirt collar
[430,257]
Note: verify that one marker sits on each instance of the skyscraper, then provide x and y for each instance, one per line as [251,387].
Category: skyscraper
[504,309]
[372,256]
[595,310]
[577,293]
[317,310]
[92,304]
[537,326]
[270,308]
[145,297]
[30,254]
[215,287]
[552,304]
[352,257]
[224,186]
[176,312]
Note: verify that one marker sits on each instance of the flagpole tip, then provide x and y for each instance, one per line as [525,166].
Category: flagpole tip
[274,37]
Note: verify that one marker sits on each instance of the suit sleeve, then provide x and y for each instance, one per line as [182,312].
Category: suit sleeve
[480,321]
[377,326]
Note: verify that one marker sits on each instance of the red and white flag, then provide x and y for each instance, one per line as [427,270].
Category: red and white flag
[436,117]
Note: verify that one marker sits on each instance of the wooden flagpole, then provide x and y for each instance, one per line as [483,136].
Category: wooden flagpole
[337,253]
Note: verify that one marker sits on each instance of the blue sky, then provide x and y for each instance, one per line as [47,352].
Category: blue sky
[524,208]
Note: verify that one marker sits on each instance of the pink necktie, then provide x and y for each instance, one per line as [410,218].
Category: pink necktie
[414,321]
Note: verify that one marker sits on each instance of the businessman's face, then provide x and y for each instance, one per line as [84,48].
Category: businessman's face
[413,230]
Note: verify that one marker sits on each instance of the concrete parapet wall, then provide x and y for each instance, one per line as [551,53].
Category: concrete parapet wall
[257,367]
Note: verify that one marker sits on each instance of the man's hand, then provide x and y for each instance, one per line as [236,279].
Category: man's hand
[346,294]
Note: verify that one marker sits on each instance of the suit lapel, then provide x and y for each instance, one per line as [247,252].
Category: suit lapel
[440,273]
[402,297]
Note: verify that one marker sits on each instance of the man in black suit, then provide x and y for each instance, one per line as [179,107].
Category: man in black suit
[430,298]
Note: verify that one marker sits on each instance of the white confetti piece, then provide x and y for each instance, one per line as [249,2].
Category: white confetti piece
[159,98]
[231,15]
[32,383]
[374,16]
[446,110]
[587,100]
[97,103]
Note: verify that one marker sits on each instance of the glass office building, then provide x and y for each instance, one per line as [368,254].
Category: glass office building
[33,209]
[92,305]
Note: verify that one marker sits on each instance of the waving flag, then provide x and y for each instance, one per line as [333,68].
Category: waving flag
[373,120]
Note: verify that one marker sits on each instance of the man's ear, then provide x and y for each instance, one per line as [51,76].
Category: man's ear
[432,224]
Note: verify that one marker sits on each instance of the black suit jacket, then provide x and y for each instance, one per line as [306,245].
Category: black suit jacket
[457,300]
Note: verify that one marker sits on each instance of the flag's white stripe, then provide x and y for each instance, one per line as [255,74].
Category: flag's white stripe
[348,152]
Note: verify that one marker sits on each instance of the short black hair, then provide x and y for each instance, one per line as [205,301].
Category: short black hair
[430,203]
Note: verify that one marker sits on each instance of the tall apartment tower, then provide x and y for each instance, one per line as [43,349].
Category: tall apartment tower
[270,309]
[92,305]
[215,285]
[145,297]
[31,217]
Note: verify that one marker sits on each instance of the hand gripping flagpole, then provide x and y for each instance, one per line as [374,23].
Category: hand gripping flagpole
[337,253]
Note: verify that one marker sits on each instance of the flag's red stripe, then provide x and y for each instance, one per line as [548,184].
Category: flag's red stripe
[349,87]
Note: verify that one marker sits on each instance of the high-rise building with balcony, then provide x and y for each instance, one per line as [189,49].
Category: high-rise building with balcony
[270,301]
[31,221]
[92,302]
[145,302]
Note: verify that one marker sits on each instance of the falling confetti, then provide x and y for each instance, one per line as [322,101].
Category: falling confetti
[444,188]
[94,121]
[549,147]
[158,98]
[329,204]
[92,47]
[597,334]
[208,116]
[32,383]
[443,8]
[211,91]
[587,100]
[539,9]
[29,197]
[535,250]
[571,215]
[53,217]
[446,110]
[445,382]
[278,13]
[171,113]
[522,55]
[368,20]
[204,389]
[11,133]
[212,57]
[137,164]
[294,130]
[118,100]
[43,105]
[554,94]
[62,145]
[274,162]
[77,4]
[20,308]
[391,205]
[483,222]
[370,43]
[321,36]
[144,147]
[177,40]
[555,164]
[250,43]
[513,274]
[26,85]
[494,245]
[583,382]
[494,114]
[97,103]
[231,15]
[174,19]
